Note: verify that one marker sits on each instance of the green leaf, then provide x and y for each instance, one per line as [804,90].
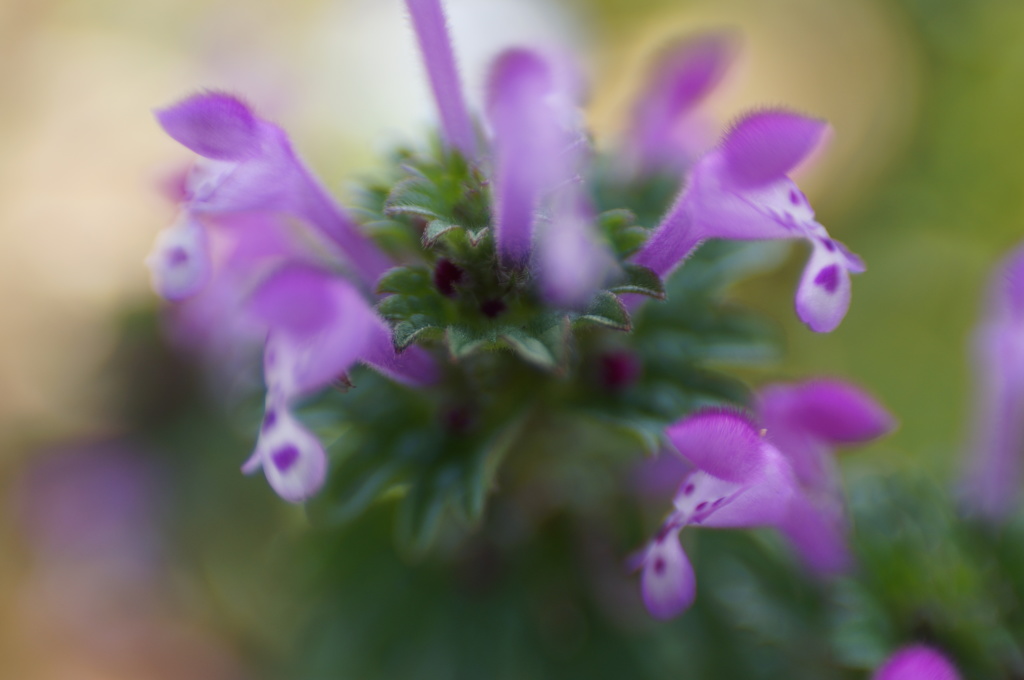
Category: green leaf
[529,347]
[418,327]
[463,340]
[606,310]
[640,280]
[481,470]
[415,196]
[435,230]
[419,515]
[411,280]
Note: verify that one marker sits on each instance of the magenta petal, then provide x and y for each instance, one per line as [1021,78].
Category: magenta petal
[834,411]
[681,79]
[572,264]
[435,44]
[529,154]
[722,443]
[817,530]
[765,146]
[292,458]
[765,499]
[823,296]
[667,583]
[313,345]
[179,263]
[917,662]
[413,366]
[214,125]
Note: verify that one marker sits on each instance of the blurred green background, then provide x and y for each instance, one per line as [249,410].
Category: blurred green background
[923,180]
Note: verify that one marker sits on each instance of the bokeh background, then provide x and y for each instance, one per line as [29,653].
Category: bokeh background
[923,179]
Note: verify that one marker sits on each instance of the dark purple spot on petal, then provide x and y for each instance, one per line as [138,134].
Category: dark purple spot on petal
[177,256]
[688,489]
[828,278]
[285,457]
[269,419]
[446,275]
[492,308]
[659,566]
[830,246]
[794,197]
[717,502]
[701,506]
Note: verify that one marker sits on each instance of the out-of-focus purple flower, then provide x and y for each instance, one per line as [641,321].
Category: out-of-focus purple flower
[538,147]
[917,662]
[740,190]
[436,47]
[805,421]
[318,325]
[666,132]
[996,454]
[739,480]
[247,164]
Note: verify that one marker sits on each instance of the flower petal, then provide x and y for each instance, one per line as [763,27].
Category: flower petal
[817,530]
[292,457]
[720,442]
[318,326]
[572,264]
[765,146]
[823,296]
[529,145]
[179,264]
[834,411]
[214,125]
[667,583]
[917,662]
[764,500]
[682,77]
[435,45]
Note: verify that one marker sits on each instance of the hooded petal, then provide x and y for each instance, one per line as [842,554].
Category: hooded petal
[179,264]
[529,146]
[831,410]
[662,131]
[318,326]
[292,458]
[435,45]
[214,125]
[917,662]
[766,146]
[722,443]
[667,582]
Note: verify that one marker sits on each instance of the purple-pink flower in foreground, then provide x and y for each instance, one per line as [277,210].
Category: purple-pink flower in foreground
[247,164]
[740,191]
[666,131]
[805,422]
[318,326]
[917,662]
[996,454]
[739,480]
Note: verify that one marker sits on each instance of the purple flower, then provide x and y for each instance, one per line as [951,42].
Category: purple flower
[318,326]
[247,164]
[666,132]
[805,421]
[993,478]
[739,480]
[432,33]
[917,662]
[740,190]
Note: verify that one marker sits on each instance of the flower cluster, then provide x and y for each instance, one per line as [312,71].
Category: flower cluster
[498,240]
